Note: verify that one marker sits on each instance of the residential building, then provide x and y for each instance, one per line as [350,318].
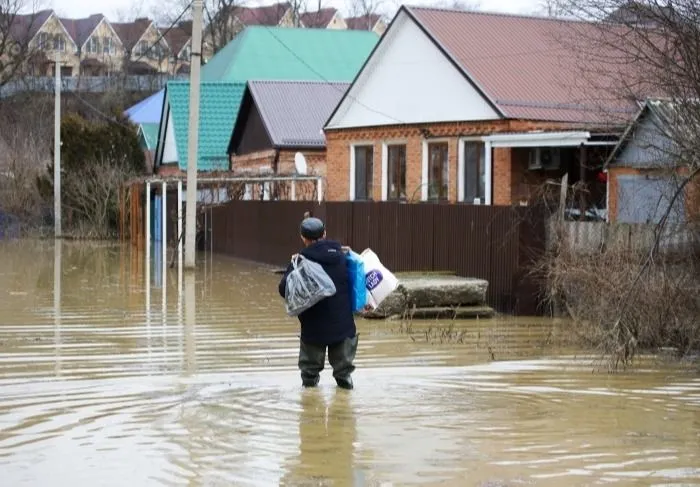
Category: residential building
[145,49]
[646,168]
[41,37]
[99,48]
[179,40]
[261,54]
[325,18]
[371,22]
[276,120]
[219,104]
[442,112]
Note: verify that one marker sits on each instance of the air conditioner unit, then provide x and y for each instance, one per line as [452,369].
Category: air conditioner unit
[547,158]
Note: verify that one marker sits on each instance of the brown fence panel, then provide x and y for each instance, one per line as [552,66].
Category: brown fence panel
[494,243]
[339,222]
[420,233]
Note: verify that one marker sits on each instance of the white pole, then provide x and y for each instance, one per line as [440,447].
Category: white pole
[57,260]
[148,230]
[179,224]
[164,255]
[319,188]
[195,65]
[57,152]
[294,190]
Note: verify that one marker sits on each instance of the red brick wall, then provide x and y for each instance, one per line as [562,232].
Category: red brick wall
[339,142]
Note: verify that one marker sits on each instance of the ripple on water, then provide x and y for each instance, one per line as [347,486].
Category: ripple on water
[212,397]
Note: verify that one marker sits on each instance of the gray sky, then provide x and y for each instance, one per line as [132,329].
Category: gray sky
[118,9]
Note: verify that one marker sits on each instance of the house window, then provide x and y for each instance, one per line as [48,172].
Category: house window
[108,46]
[141,48]
[45,40]
[437,171]
[93,45]
[59,43]
[396,172]
[364,164]
[474,171]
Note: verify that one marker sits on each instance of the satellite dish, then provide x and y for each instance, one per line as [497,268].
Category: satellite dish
[300,163]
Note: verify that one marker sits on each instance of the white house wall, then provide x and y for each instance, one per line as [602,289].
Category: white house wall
[408,80]
[169,146]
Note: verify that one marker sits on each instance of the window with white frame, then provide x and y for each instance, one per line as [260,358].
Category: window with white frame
[93,45]
[108,46]
[396,171]
[474,175]
[364,168]
[438,171]
[59,43]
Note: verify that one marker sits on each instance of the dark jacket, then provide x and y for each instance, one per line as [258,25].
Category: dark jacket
[330,320]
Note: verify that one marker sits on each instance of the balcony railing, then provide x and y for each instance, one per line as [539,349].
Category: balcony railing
[92,84]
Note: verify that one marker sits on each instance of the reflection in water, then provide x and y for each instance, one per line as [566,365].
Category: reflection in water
[198,385]
[327,435]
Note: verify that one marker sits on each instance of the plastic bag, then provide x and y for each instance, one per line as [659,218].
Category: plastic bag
[356,278]
[379,281]
[307,284]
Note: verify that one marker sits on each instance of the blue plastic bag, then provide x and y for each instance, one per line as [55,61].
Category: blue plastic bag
[356,277]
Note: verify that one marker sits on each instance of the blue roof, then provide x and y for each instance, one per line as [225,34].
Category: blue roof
[148,110]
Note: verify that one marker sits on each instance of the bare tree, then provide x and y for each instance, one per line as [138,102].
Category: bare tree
[628,52]
[16,32]
[222,22]
[366,9]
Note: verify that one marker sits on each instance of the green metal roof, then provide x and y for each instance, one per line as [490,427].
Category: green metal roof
[291,54]
[149,134]
[218,108]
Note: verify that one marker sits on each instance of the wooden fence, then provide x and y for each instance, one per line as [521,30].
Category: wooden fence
[493,243]
[592,237]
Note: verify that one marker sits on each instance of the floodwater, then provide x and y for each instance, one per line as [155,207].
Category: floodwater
[105,384]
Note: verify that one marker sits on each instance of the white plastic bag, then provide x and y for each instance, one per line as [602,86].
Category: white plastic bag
[307,284]
[379,280]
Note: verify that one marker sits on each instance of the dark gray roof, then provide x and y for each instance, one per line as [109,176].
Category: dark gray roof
[294,112]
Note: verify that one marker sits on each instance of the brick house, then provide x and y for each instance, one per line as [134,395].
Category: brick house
[643,169]
[276,120]
[469,107]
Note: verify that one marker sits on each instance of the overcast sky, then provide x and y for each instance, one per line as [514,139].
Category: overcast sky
[117,9]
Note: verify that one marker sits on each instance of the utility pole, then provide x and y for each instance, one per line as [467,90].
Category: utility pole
[193,136]
[57,152]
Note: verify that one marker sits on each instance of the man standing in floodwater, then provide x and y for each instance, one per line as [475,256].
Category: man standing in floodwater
[330,322]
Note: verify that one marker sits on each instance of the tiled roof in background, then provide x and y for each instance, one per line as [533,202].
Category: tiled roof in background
[523,65]
[25,27]
[270,15]
[219,105]
[319,19]
[179,36]
[80,29]
[285,53]
[131,32]
[294,111]
[363,22]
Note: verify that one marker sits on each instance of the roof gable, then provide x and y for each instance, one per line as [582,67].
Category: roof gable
[26,26]
[284,53]
[149,133]
[522,65]
[269,15]
[293,112]
[363,22]
[408,80]
[219,105]
[80,30]
[130,33]
[319,19]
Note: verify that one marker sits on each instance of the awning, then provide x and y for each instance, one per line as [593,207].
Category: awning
[538,139]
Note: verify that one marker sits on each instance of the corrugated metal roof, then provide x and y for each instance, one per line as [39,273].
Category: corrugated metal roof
[286,53]
[294,111]
[150,134]
[524,65]
[219,105]
[147,110]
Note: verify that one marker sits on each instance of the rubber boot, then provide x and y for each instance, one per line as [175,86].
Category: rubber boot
[341,356]
[311,362]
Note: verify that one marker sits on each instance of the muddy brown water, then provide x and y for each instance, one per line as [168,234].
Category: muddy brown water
[201,389]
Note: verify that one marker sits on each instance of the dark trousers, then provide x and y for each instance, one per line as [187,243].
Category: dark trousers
[312,359]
